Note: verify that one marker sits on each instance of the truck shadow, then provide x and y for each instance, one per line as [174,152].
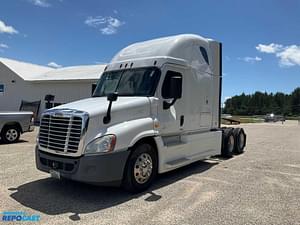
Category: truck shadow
[18,142]
[54,197]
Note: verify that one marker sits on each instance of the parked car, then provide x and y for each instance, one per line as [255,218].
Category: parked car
[274,118]
[13,124]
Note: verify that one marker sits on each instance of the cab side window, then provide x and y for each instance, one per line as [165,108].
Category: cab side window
[1,89]
[165,92]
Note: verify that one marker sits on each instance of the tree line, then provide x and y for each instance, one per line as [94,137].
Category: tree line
[261,103]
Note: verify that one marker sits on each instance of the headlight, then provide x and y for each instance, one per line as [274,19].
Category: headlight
[101,145]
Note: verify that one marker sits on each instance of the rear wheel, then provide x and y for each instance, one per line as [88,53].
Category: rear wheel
[228,144]
[240,140]
[10,134]
[141,168]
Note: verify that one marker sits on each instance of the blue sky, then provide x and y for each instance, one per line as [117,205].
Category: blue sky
[261,39]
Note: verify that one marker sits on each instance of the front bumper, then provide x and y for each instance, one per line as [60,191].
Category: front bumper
[94,169]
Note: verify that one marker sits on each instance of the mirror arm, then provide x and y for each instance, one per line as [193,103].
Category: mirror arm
[107,118]
[167,105]
[111,98]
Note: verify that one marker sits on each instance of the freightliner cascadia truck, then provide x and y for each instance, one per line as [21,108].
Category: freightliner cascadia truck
[156,108]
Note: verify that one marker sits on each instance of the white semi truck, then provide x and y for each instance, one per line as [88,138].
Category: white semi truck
[155,108]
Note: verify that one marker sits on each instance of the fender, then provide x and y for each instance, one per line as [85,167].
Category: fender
[130,132]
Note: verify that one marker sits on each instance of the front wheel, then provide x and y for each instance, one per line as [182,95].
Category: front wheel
[10,134]
[141,168]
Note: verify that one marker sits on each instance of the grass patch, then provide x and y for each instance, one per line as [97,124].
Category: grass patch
[251,120]
[245,119]
[292,117]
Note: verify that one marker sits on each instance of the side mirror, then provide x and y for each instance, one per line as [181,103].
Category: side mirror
[175,91]
[112,97]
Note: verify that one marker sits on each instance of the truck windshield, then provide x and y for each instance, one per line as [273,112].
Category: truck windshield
[128,82]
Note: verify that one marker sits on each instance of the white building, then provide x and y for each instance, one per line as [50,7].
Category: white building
[20,81]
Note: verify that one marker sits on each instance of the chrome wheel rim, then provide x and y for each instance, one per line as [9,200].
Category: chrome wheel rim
[143,168]
[230,143]
[11,134]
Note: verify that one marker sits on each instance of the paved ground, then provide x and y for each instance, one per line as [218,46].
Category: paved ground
[261,186]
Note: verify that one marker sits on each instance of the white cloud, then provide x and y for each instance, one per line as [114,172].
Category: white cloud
[251,59]
[95,21]
[7,29]
[41,3]
[288,55]
[3,45]
[107,25]
[108,30]
[271,48]
[54,65]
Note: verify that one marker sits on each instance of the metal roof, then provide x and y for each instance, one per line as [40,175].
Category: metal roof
[37,73]
[87,72]
[24,70]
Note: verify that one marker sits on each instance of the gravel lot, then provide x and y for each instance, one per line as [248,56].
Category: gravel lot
[262,186]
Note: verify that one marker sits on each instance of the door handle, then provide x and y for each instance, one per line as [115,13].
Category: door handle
[181,120]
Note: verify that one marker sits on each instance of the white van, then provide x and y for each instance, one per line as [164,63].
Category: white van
[155,108]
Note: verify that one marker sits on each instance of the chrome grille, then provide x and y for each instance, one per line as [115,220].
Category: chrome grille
[60,133]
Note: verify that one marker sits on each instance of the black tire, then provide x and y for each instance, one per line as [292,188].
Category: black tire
[131,182]
[228,143]
[10,134]
[240,140]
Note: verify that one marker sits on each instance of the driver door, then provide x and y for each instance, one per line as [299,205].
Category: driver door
[171,119]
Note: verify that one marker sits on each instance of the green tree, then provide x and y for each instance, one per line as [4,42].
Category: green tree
[261,103]
[295,101]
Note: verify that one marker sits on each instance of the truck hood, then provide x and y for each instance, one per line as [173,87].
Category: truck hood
[98,106]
